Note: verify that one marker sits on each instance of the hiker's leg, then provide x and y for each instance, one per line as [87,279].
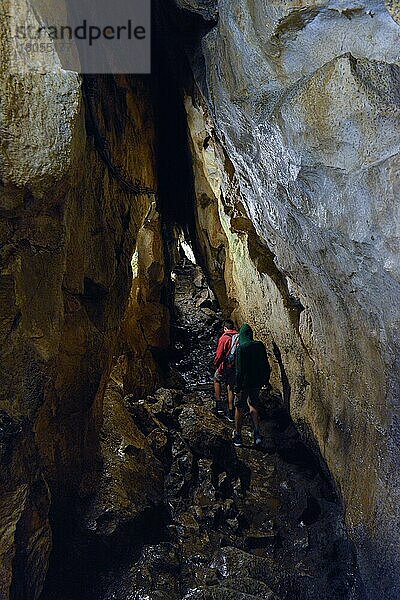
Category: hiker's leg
[217,390]
[239,414]
[254,417]
[253,402]
[240,403]
[218,393]
[229,389]
[217,385]
[230,378]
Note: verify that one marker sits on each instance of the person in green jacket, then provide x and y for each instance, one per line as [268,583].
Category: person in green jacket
[252,373]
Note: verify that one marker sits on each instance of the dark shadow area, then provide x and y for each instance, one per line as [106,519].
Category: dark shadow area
[81,562]
[176,39]
[173,31]
[284,378]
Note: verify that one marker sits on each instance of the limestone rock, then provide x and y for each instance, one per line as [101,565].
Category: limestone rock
[131,477]
[170,398]
[208,9]
[393,7]
[296,150]
[154,574]
[208,436]
[25,540]
[159,443]
[67,236]
[181,472]
[11,509]
[229,561]
[143,416]
[45,107]
[145,329]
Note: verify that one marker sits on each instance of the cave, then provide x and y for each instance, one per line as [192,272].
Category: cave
[252,176]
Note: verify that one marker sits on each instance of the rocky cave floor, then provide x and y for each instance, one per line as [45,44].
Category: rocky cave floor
[231,523]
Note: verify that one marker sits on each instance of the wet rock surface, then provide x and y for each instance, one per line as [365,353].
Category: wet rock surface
[295,144]
[245,523]
[67,234]
[230,523]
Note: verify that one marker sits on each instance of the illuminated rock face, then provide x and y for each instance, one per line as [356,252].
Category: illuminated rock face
[295,148]
[393,7]
[296,155]
[68,232]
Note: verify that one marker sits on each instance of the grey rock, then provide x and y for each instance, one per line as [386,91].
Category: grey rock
[208,436]
[303,168]
[208,9]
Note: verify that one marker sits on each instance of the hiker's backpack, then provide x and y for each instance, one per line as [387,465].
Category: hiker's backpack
[230,359]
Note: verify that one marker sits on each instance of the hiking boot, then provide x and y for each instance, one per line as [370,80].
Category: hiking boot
[230,415]
[237,439]
[219,407]
[257,438]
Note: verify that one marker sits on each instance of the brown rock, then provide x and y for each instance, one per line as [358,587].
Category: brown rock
[208,436]
[131,478]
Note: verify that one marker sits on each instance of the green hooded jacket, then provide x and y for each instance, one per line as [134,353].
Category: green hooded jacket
[252,366]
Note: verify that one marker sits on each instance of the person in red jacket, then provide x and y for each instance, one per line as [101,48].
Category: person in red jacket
[225,364]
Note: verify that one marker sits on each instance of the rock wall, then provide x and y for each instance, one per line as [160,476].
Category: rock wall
[68,232]
[295,139]
[145,331]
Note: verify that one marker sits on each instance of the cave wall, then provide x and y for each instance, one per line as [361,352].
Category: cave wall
[295,146]
[145,331]
[68,233]
[295,139]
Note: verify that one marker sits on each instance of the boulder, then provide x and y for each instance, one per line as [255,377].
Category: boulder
[208,436]
[131,478]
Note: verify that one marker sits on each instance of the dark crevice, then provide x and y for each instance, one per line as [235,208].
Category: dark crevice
[79,573]
[27,579]
[94,300]
[286,389]
[91,85]
[294,22]
[172,78]
[170,75]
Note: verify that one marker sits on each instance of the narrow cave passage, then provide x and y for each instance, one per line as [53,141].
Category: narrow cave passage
[267,139]
[244,523]
[177,512]
[217,522]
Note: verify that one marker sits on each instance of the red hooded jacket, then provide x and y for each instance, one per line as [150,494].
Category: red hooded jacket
[223,348]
